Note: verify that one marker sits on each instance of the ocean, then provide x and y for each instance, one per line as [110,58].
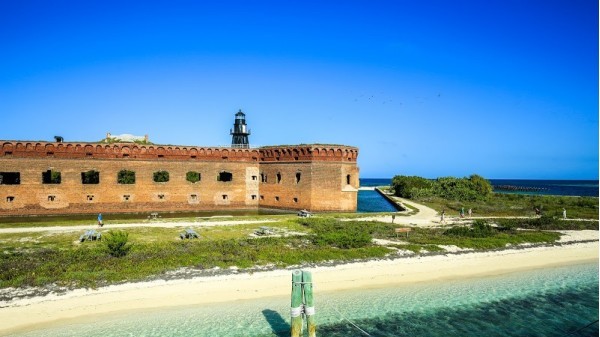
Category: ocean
[559,301]
[371,201]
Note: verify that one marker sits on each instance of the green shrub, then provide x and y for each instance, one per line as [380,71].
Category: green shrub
[479,229]
[340,234]
[116,243]
[461,189]
[407,186]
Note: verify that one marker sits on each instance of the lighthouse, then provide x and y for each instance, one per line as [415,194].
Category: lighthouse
[240,131]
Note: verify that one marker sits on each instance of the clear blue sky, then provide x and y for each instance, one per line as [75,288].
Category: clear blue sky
[501,88]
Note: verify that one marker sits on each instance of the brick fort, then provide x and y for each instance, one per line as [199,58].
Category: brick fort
[133,175]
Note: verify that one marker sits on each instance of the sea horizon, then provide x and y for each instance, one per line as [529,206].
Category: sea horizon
[562,187]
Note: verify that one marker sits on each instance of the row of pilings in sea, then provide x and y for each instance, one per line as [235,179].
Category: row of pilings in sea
[518,188]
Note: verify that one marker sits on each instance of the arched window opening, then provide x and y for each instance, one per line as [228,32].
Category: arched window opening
[51,177]
[126,177]
[10,178]
[225,176]
[90,177]
[278,177]
[348,179]
[161,176]
[298,176]
[193,177]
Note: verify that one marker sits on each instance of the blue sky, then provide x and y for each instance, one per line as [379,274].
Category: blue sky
[501,88]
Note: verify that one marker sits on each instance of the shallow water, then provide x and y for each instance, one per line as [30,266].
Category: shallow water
[544,302]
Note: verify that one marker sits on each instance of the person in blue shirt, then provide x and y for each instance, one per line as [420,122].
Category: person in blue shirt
[100,220]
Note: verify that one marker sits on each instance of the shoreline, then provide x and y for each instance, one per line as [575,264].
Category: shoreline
[29,313]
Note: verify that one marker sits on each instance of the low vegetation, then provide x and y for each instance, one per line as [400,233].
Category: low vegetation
[476,193]
[37,259]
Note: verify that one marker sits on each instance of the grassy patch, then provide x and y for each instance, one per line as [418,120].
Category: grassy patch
[501,204]
[35,259]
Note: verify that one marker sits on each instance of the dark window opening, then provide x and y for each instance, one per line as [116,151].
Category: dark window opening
[193,177]
[51,197]
[194,197]
[89,154]
[10,178]
[225,176]
[225,197]
[90,177]
[161,176]
[262,197]
[49,154]
[90,197]
[254,177]
[276,198]
[126,177]
[224,158]
[263,178]
[126,197]
[295,199]
[10,199]
[161,196]
[278,178]
[193,157]
[8,153]
[298,176]
[125,155]
[253,196]
[161,156]
[295,158]
[348,179]
[51,177]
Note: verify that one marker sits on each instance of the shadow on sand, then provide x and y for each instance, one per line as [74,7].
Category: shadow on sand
[280,327]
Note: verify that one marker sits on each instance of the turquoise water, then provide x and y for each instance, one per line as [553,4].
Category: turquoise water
[372,201]
[546,302]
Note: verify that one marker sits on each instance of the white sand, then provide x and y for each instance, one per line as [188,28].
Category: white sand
[26,313]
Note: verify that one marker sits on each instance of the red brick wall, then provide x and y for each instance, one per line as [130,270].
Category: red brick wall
[322,185]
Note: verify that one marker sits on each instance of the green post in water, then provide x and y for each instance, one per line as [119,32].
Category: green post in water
[309,310]
[296,307]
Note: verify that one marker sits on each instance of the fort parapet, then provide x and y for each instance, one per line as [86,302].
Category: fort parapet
[76,177]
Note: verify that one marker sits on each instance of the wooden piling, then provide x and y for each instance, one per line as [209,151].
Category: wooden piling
[309,310]
[296,306]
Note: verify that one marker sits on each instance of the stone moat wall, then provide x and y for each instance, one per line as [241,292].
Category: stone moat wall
[312,177]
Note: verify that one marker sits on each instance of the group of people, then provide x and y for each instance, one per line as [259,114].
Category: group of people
[461,213]
[539,212]
[470,213]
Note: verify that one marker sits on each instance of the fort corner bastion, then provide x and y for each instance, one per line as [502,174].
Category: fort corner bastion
[50,178]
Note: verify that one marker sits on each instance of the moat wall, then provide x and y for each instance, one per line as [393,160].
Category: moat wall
[312,177]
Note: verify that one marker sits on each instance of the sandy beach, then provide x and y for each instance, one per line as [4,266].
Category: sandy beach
[26,313]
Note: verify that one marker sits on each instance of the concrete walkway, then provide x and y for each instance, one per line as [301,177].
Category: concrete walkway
[423,217]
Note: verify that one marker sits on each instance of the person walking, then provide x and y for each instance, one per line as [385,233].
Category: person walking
[443,220]
[462,212]
[100,223]
[470,212]
[564,213]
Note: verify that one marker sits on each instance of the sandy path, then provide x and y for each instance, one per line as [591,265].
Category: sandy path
[132,225]
[424,217]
